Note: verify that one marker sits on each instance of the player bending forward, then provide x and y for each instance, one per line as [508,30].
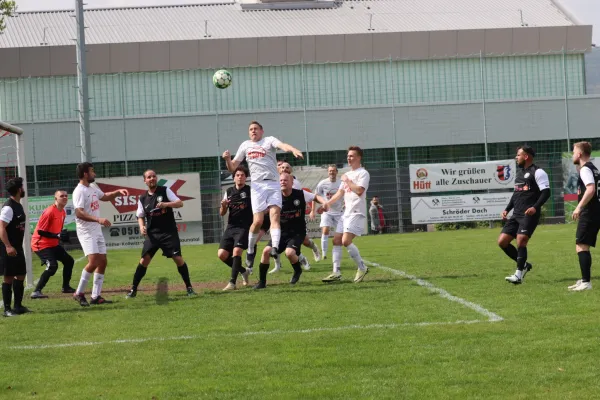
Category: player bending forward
[260,152]
[532,190]
[354,190]
[156,207]
[237,201]
[45,242]
[327,188]
[293,229]
[587,213]
[86,200]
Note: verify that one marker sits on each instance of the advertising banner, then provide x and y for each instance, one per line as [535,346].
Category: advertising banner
[38,204]
[442,209]
[570,178]
[128,236]
[430,178]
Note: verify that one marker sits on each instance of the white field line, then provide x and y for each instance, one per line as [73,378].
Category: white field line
[36,281]
[492,317]
[246,334]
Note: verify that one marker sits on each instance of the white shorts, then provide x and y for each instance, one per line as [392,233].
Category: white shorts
[333,220]
[92,244]
[354,224]
[265,194]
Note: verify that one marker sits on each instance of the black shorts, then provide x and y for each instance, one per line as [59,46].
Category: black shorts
[234,237]
[524,225]
[12,266]
[266,225]
[587,231]
[167,242]
[51,255]
[291,242]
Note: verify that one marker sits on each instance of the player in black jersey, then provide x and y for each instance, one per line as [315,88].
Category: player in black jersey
[235,239]
[587,212]
[157,223]
[532,190]
[12,255]
[293,228]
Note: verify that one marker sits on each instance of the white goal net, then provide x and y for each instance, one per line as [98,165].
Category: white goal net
[12,165]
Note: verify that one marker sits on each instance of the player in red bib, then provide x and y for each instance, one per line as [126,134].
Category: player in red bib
[45,242]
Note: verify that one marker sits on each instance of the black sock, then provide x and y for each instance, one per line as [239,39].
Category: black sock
[6,295]
[255,248]
[262,272]
[19,290]
[140,271]
[229,262]
[67,273]
[511,251]
[236,269]
[297,268]
[521,258]
[185,275]
[585,263]
[43,280]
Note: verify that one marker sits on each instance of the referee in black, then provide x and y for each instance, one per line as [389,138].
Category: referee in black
[532,190]
[235,239]
[157,223]
[587,213]
[293,228]
[12,256]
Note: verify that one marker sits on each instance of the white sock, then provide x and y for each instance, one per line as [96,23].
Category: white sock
[337,258]
[85,277]
[97,288]
[275,237]
[312,245]
[355,254]
[252,239]
[519,274]
[324,244]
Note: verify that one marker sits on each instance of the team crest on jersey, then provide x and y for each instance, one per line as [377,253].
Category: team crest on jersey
[527,175]
[159,199]
[296,202]
[243,195]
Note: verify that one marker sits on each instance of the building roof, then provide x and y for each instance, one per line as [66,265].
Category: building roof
[230,20]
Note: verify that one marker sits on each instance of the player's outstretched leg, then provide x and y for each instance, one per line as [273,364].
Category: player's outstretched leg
[362,270]
[308,242]
[336,255]
[51,268]
[523,267]
[19,290]
[324,242]
[7,293]
[68,264]
[183,270]
[96,297]
[138,275]
[294,260]
[237,269]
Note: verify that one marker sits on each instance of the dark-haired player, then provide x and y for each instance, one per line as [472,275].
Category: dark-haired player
[532,190]
[12,257]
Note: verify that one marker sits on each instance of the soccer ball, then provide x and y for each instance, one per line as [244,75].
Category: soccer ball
[222,79]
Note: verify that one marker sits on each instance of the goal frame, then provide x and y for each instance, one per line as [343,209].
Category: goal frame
[22,172]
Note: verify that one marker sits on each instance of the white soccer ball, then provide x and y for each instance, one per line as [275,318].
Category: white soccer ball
[222,79]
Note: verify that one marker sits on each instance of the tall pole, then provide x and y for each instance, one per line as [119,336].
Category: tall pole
[304,109]
[566,88]
[82,86]
[396,166]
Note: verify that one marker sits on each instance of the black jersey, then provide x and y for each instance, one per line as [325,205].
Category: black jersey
[527,192]
[159,220]
[293,213]
[592,208]
[15,230]
[240,207]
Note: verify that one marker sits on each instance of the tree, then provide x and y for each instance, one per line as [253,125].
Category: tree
[7,8]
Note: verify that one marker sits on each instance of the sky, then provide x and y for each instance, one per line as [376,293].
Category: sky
[587,11]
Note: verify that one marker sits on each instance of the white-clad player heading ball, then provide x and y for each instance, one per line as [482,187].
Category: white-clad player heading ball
[265,190]
[354,191]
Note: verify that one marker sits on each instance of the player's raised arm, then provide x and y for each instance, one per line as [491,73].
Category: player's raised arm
[232,164]
[113,195]
[290,149]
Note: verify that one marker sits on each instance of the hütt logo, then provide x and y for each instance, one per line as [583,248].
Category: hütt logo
[421,173]
[421,183]
[125,204]
[503,174]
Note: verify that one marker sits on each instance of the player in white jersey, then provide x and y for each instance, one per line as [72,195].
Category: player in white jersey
[327,188]
[86,200]
[354,190]
[265,191]
[285,168]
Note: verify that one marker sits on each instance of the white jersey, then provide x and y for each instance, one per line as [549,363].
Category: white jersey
[88,198]
[297,184]
[327,190]
[261,158]
[356,204]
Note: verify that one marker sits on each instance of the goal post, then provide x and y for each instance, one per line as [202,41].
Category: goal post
[18,157]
